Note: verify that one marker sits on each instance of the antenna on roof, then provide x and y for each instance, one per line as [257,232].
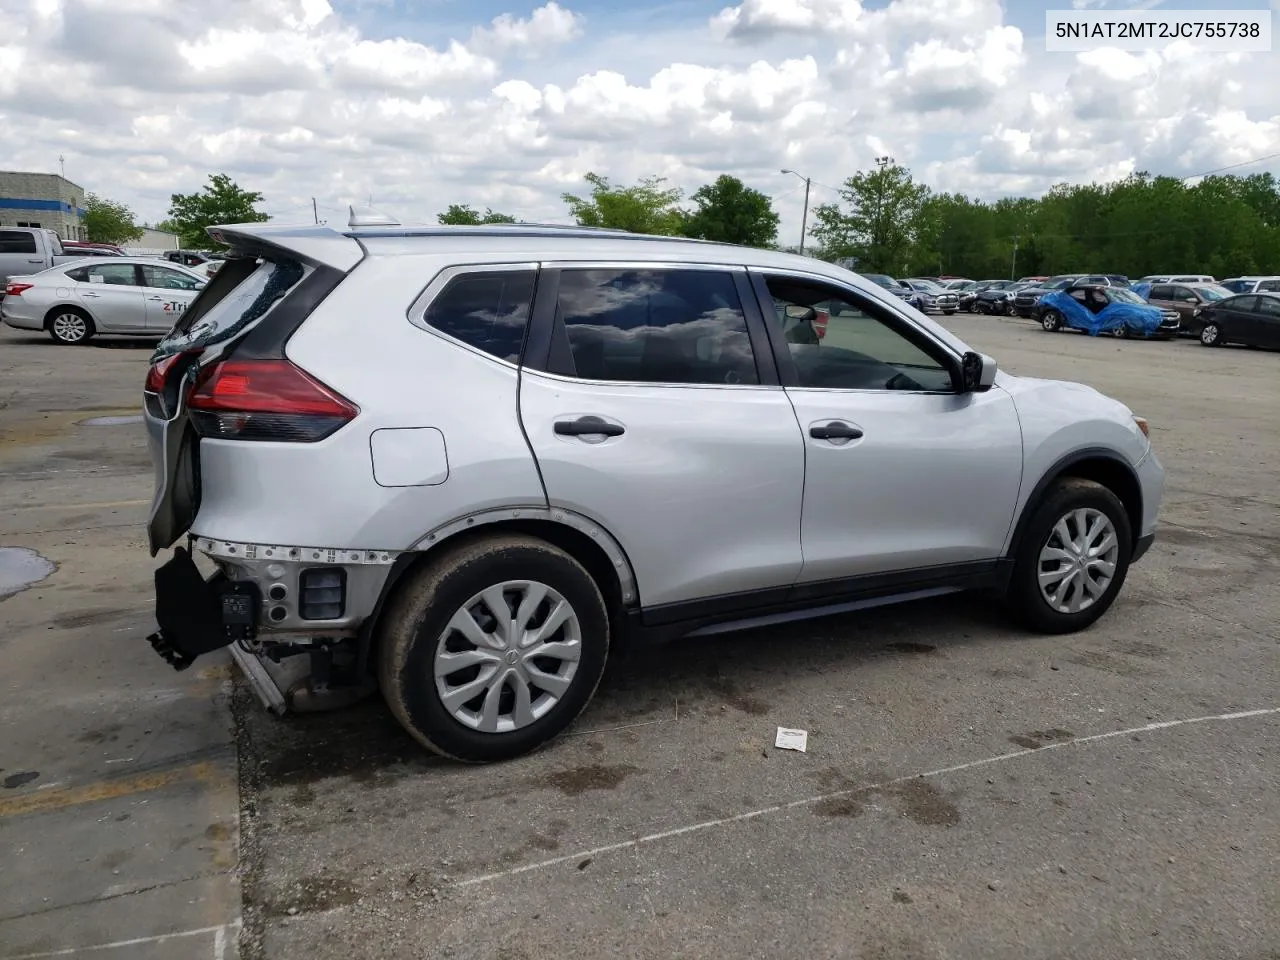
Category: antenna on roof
[368,217]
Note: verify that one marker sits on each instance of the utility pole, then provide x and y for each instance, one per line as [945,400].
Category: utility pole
[1013,268]
[315,211]
[62,166]
[804,218]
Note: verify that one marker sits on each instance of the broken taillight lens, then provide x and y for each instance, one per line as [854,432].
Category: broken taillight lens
[265,400]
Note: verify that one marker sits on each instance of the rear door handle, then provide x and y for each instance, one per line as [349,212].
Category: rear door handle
[586,426]
[835,430]
[90,294]
[156,299]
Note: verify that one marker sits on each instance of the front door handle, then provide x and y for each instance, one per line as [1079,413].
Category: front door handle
[586,426]
[835,431]
[156,299]
[35,261]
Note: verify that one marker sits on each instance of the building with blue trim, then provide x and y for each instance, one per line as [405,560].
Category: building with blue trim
[42,200]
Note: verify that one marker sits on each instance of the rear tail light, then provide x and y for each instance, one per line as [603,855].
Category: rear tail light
[160,391]
[322,593]
[15,289]
[265,400]
[820,322]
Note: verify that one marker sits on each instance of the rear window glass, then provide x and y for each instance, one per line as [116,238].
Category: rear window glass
[17,241]
[237,295]
[488,311]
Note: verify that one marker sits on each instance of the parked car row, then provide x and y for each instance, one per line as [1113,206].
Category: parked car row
[75,301]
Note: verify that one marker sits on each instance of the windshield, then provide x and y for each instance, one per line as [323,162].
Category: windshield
[1212,293]
[885,281]
[238,294]
[1237,286]
[927,285]
[1123,295]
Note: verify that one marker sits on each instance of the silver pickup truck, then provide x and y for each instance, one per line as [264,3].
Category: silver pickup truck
[27,250]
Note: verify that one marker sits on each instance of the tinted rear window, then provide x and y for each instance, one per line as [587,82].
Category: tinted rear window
[488,311]
[238,295]
[17,241]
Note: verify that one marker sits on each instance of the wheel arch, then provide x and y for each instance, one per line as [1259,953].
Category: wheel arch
[1098,464]
[66,306]
[582,538]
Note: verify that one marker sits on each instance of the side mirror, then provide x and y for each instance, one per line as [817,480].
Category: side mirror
[799,313]
[977,372]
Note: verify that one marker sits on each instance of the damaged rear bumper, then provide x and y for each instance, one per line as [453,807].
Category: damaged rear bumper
[196,616]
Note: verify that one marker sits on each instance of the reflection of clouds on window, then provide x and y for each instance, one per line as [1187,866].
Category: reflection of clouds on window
[488,311]
[652,326]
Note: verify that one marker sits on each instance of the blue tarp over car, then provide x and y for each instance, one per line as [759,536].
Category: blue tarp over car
[1119,312]
[1142,289]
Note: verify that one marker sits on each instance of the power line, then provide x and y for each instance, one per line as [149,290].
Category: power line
[1232,166]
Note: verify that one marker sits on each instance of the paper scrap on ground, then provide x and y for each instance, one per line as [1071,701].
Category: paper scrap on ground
[792,739]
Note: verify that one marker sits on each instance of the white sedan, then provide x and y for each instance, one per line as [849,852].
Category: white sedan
[136,296]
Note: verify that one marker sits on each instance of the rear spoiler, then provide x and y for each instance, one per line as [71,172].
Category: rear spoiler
[318,245]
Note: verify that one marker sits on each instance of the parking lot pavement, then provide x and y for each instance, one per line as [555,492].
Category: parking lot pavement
[118,804]
[969,790]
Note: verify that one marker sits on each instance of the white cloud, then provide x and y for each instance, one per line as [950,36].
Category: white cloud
[548,26]
[293,98]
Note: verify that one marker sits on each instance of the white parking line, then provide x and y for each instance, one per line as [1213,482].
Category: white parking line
[808,801]
[219,943]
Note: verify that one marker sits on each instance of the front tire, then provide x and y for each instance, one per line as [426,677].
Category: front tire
[948,312]
[1211,335]
[494,648]
[1051,321]
[70,326]
[1072,559]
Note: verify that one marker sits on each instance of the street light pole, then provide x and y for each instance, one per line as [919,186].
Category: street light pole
[804,219]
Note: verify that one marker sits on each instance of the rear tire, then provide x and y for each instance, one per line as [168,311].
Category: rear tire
[441,638]
[1072,559]
[69,326]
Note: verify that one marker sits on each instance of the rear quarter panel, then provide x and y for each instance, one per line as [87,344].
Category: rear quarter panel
[361,343]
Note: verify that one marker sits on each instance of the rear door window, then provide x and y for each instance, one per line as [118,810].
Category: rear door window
[1161,292]
[656,326]
[114,274]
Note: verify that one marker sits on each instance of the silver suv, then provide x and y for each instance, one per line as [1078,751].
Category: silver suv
[468,462]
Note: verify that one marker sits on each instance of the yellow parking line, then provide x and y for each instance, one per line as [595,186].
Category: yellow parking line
[44,801]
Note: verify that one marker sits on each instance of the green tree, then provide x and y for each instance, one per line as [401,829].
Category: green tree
[731,212]
[221,201]
[462,214]
[106,221]
[646,207]
[881,224]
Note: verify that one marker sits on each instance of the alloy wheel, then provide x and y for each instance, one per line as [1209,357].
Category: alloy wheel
[507,656]
[69,327]
[1078,561]
[1209,335]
